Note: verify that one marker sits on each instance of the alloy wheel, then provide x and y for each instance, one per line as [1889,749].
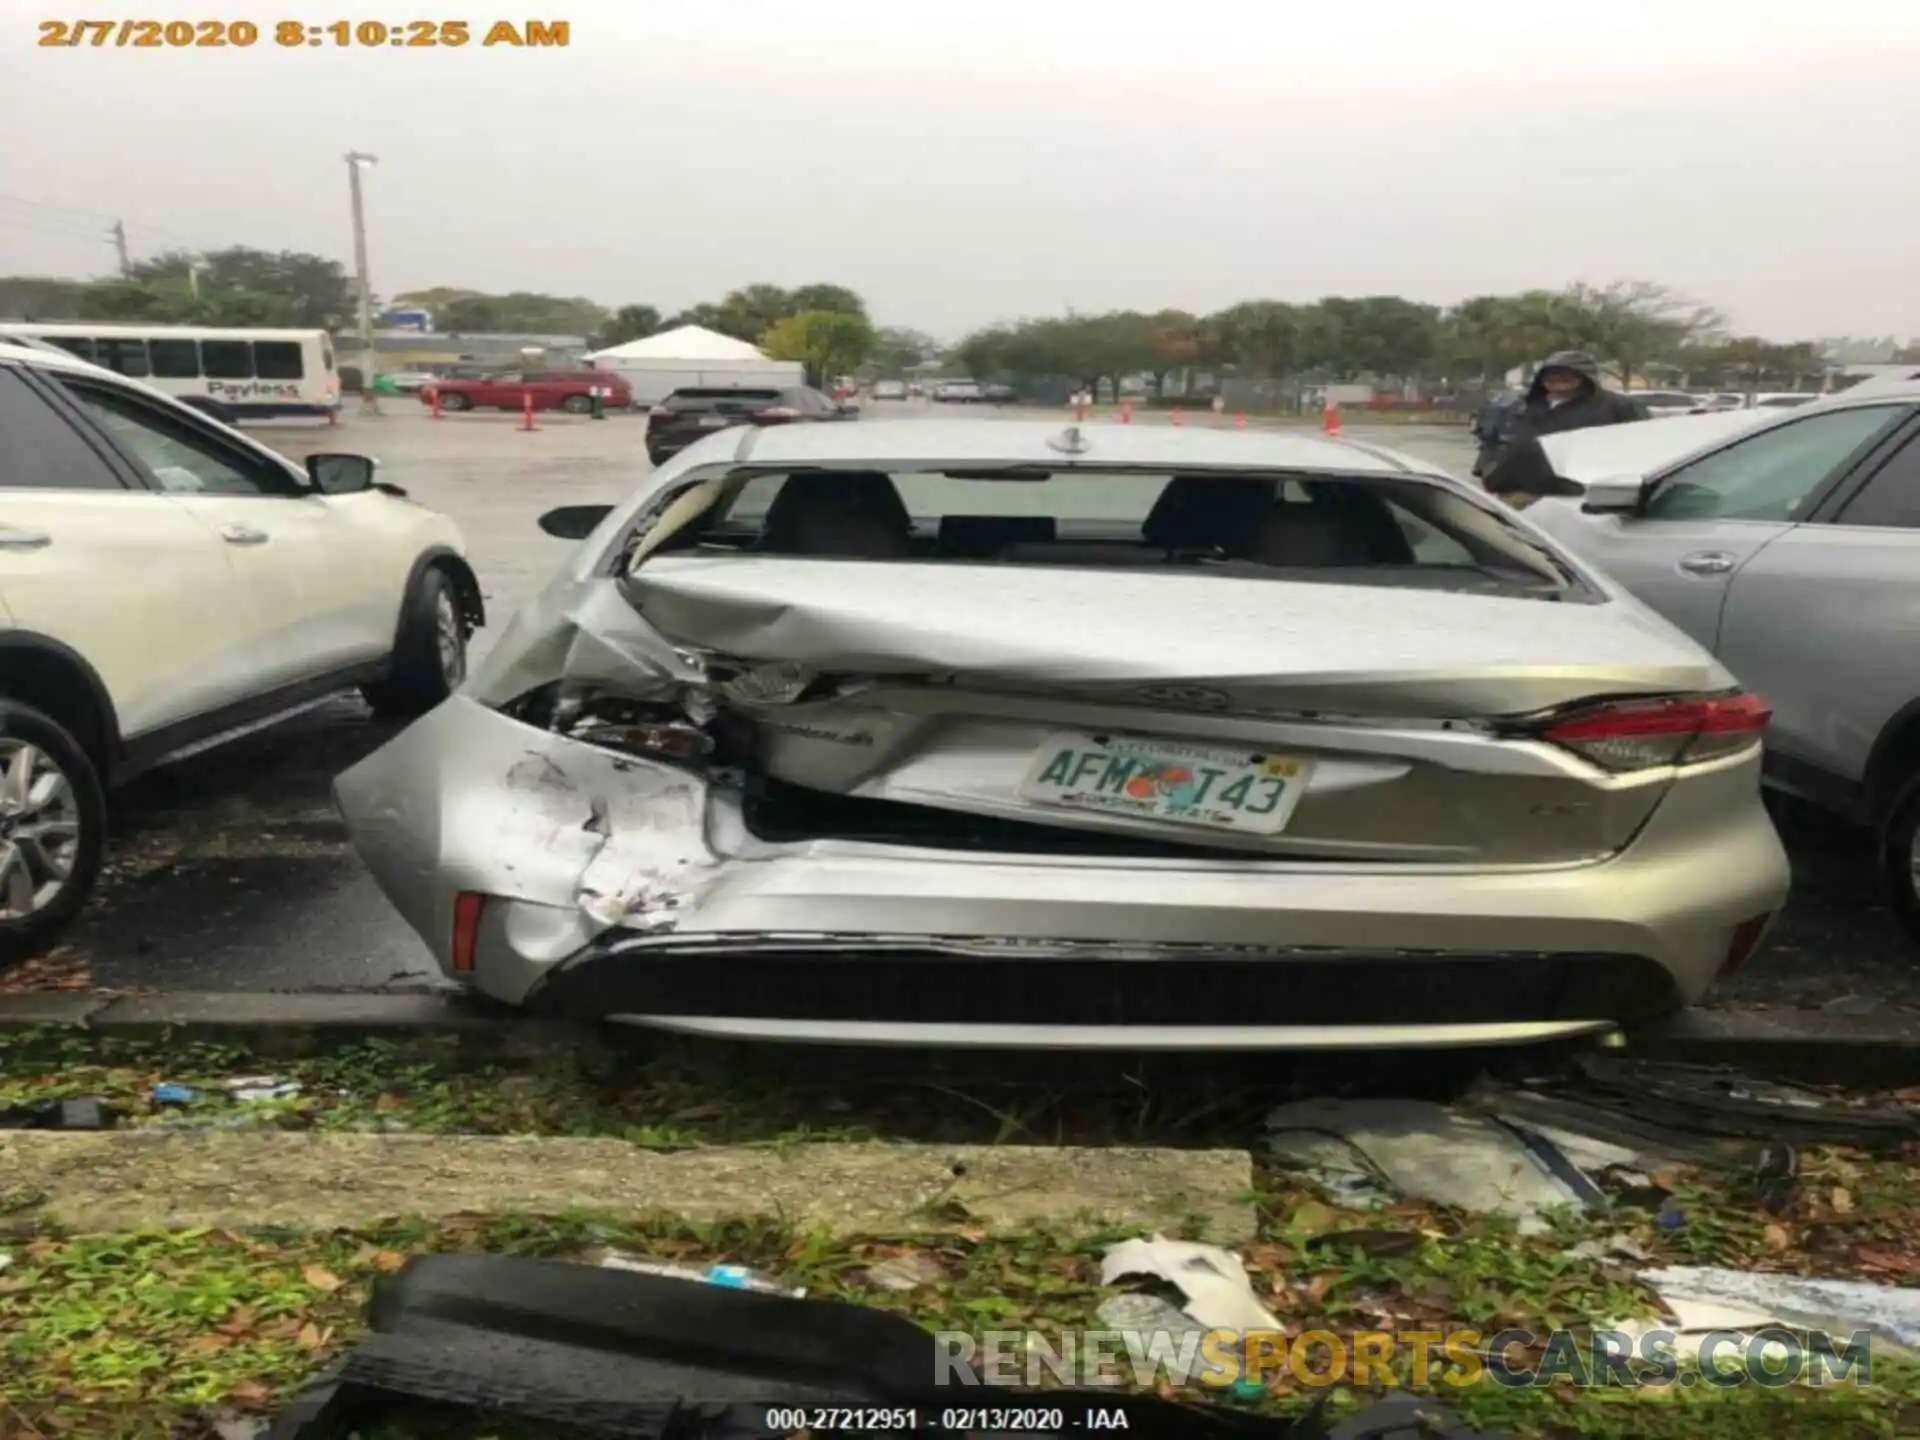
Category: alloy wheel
[39,830]
[450,640]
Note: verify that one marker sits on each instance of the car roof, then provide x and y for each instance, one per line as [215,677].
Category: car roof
[1026,442]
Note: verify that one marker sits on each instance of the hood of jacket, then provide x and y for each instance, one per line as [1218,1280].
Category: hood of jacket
[1578,361]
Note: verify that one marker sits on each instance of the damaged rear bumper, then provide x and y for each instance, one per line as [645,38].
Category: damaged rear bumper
[618,886]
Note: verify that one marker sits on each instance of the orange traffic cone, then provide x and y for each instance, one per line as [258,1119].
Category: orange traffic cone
[526,411]
[1126,414]
[1330,418]
[1176,417]
[433,401]
[1240,420]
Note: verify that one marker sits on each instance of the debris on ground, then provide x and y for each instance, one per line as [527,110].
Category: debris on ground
[168,1095]
[1214,1281]
[1746,1301]
[908,1271]
[730,1277]
[250,1089]
[1380,1150]
[82,1113]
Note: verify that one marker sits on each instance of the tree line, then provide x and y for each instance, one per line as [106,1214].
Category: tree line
[1642,331]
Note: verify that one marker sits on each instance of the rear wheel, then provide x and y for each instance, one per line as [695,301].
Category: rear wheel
[53,830]
[577,404]
[430,658]
[455,402]
[1899,855]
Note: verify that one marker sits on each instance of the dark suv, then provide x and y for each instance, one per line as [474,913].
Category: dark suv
[688,415]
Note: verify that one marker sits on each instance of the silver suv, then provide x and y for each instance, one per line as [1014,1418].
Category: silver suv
[1790,546]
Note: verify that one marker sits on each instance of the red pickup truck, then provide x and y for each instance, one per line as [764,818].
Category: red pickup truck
[569,390]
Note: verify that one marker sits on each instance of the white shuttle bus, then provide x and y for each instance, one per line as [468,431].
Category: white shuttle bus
[235,374]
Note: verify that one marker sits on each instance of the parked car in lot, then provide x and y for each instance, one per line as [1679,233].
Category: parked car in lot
[1664,404]
[569,390]
[411,382]
[166,582]
[998,394]
[1789,546]
[1012,735]
[695,413]
[890,390]
[958,392]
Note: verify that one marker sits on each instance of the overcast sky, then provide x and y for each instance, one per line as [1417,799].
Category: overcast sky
[964,163]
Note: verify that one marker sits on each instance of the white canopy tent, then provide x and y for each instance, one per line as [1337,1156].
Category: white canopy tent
[690,356]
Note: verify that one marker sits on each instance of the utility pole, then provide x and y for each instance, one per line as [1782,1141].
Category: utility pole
[369,400]
[119,237]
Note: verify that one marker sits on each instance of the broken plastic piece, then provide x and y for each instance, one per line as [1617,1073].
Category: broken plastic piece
[1806,1302]
[1430,1152]
[79,1114]
[1213,1280]
[732,1277]
[168,1093]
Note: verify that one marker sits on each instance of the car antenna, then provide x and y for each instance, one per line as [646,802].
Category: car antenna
[1069,441]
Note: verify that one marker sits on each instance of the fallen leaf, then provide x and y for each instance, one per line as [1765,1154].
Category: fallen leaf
[311,1336]
[1310,1218]
[1317,1287]
[321,1278]
[1841,1200]
[249,1392]
[239,1322]
[1777,1237]
[209,1344]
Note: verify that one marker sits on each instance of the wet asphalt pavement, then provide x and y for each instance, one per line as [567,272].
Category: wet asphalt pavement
[230,870]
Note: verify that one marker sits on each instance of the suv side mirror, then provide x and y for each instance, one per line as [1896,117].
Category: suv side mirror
[1615,495]
[574,522]
[341,474]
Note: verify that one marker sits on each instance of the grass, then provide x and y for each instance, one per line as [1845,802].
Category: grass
[137,1334]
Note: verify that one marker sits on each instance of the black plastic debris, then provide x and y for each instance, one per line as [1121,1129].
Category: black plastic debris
[1718,1101]
[80,1114]
[616,1353]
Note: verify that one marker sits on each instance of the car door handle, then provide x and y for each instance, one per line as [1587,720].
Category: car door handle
[23,539]
[243,535]
[1708,562]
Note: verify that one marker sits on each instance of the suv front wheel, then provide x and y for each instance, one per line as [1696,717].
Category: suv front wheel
[53,829]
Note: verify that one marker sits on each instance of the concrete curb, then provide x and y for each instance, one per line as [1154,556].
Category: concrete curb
[123,1179]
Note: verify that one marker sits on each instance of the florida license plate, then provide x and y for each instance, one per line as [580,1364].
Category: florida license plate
[1247,791]
[712,422]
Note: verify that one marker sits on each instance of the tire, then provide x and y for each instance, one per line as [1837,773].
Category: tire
[455,402]
[430,658]
[577,404]
[76,802]
[1898,854]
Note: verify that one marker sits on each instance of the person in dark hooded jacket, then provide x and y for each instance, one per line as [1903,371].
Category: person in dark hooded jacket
[1566,394]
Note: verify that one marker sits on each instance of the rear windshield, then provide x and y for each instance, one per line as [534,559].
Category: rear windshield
[1402,532]
[720,399]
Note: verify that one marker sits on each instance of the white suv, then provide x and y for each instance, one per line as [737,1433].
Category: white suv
[166,583]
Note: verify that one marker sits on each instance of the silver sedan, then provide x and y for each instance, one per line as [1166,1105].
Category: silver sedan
[1135,737]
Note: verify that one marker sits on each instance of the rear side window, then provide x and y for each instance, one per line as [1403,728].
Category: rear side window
[175,359]
[278,360]
[1891,498]
[129,357]
[722,400]
[227,359]
[73,345]
[1773,476]
[39,450]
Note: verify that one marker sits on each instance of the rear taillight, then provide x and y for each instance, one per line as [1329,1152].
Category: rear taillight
[467,909]
[1641,734]
[659,412]
[777,412]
